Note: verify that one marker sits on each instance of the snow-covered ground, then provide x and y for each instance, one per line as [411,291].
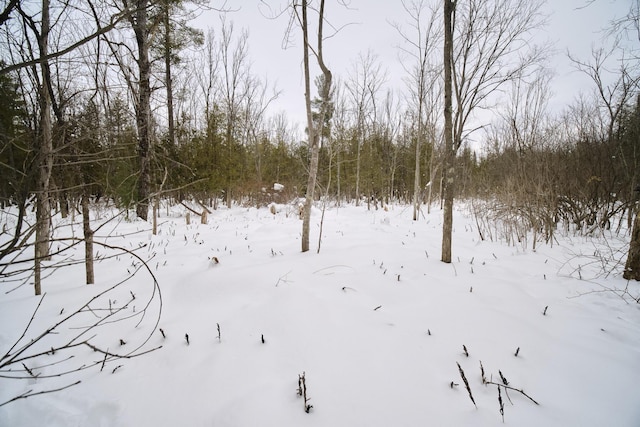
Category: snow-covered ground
[375,322]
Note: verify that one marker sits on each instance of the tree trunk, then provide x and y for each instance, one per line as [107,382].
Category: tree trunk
[168,45]
[360,143]
[88,240]
[230,122]
[449,154]
[431,178]
[632,267]
[64,204]
[314,146]
[416,177]
[154,228]
[338,176]
[45,157]
[324,202]
[143,112]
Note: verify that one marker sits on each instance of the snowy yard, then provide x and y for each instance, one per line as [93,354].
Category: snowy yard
[375,321]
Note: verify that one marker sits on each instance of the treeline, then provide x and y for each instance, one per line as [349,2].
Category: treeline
[568,173]
[205,134]
[574,175]
[579,177]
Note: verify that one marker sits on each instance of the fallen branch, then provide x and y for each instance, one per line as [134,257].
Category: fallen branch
[190,209]
[514,389]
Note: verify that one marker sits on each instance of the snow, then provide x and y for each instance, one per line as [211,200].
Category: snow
[375,321]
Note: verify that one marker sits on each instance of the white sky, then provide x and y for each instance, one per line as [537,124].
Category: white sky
[573,25]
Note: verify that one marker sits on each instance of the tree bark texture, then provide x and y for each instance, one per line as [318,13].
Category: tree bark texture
[45,156]
[314,146]
[447,226]
[313,151]
[88,240]
[143,111]
[168,47]
[632,267]
[416,177]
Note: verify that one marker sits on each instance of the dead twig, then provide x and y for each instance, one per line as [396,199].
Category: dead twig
[507,387]
[30,393]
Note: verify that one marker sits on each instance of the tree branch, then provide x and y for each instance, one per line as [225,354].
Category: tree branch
[30,393]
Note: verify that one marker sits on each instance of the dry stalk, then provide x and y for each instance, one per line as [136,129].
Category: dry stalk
[501,404]
[302,391]
[507,387]
[466,384]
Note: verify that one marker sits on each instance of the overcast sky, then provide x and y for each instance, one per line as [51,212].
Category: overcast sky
[573,25]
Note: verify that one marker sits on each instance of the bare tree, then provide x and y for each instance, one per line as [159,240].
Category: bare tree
[449,154]
[45,153]
[175,36]
[339,126]
[234,61]
[313,135]
[627,28]
[365,80]
[392,119]
[526,195]
[423,75]
[113,22]
[525,113]
[206,66]
[257,101]
[614,97]
[490,44]
[140,25]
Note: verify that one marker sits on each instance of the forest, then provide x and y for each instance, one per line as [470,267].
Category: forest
[140,154]
[128,104]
